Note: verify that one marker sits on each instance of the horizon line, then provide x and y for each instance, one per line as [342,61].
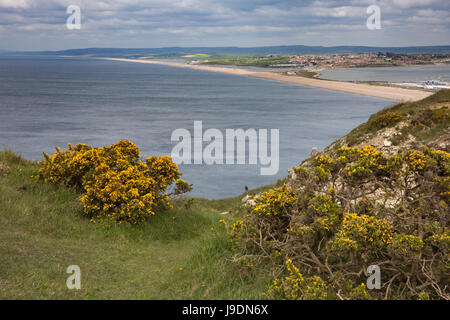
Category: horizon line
[240,47]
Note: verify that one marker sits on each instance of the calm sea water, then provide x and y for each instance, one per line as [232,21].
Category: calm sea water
[50,101]
[393,74]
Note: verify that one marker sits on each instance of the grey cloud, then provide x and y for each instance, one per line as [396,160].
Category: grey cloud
[214,22]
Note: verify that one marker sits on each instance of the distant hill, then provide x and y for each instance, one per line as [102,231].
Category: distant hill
[291,49]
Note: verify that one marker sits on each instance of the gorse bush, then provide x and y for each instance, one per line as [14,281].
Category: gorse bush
[428,117]
[386,120]
[295,286]
[75,165]
[117,186]
[348,210]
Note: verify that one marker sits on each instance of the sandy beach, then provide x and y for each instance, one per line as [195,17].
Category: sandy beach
[384,92]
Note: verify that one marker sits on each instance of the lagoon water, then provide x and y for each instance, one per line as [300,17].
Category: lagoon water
[392,74]
[50,101]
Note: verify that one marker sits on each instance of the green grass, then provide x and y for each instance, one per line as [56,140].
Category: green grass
[307,74]
[255,61]
[43,231]
[409,110]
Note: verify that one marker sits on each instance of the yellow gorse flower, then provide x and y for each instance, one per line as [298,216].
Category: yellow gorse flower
[117,186]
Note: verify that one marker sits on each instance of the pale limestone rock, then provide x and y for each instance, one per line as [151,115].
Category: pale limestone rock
[314,152]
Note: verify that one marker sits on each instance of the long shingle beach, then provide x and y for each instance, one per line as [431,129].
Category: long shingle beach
[384,92]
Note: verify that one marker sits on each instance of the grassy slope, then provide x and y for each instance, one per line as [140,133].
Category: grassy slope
[42,232]
[408,110]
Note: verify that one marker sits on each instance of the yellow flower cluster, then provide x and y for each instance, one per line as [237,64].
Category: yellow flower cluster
[443,185]
[441,239]
[416,160]
[323,160]
[324,166]
[275,202]
[423,296]
[301,171]
[304,233]
[358,231]
[117,185]
[368,160]
[71,166]
[325,212]
[359,293]
[163,170]
[370,153]
[236,230]
[386,120]
[442,159]
[297,287]
[406,244]
[323,205]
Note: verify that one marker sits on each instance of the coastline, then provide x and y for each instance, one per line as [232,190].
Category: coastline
[384,92]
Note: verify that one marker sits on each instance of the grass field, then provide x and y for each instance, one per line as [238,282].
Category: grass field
[179,254]
[254,61]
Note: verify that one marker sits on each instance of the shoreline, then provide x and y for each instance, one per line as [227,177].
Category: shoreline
[383,92]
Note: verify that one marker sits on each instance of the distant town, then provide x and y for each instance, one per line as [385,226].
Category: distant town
[311,65]
[327,61]
[318,62]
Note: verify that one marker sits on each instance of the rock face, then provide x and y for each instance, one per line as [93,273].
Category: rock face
[314,152]
[424,125]
[245,199]
[250,200]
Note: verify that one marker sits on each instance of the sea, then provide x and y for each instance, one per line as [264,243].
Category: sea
[49,101]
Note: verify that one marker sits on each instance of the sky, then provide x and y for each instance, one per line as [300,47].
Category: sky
[41,24]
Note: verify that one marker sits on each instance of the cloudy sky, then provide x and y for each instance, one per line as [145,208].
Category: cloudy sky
[41,24]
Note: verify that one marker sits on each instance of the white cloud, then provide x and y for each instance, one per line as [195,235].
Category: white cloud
[217,22]
[15,3]
[414,3]
[339,12]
